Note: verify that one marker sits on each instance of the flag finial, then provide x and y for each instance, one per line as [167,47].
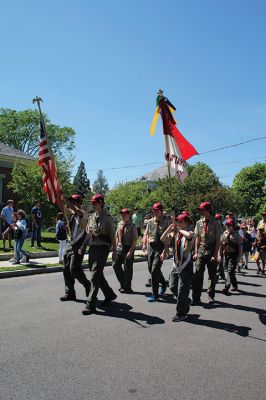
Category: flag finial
[37,100]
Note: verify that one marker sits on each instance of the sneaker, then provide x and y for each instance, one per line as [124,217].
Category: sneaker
[163,288]
[61,262]
[258,272]
[68,297]
[210,300]
[178,318]
[234,289]
[23,259]
[148,284]
[152,298]
[88,310]
[108,300]
[226,292]
[12,259]
[15,262]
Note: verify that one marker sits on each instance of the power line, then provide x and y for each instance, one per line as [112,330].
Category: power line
[160,162]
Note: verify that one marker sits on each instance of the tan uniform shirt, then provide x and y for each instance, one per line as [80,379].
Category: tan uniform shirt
[126,234]
[207,232]
[101,229]
[232,238]
[155,230]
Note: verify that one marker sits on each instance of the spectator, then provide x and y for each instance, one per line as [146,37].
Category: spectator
[137,221]
[20,233]
[6,217]
[36,214]
[61,236]
[246,245]
[260,254]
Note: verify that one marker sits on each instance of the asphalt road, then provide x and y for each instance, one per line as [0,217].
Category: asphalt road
[49,350]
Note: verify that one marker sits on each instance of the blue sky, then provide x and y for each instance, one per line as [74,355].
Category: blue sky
[98,66]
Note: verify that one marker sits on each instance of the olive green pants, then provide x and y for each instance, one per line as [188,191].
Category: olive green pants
[72,269]
[124,275]
[155,265]
[97,259]
[230,266]
[180,284]
[204,260]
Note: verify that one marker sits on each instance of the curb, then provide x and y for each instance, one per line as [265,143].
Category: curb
[45,254]
[48,270]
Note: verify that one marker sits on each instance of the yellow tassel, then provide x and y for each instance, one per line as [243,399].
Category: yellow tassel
[154,121]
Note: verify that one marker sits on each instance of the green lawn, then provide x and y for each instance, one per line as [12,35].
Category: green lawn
[48,244]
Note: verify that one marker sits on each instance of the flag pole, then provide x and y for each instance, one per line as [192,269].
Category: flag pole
[38,100]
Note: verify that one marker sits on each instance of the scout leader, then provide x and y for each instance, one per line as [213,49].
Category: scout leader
[181,276]
[231,248]
[100,236]
[208,233]
[73,259]
[157,250]
[126,238]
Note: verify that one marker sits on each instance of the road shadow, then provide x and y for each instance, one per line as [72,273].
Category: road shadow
[124,311]
[248,284]
[224,326]
[244,293]
[259,311]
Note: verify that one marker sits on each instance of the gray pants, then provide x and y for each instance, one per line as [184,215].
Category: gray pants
[230,269]
[180,284]
[155,265]
[204,259]
[124,275]
[97,258]
[72,268]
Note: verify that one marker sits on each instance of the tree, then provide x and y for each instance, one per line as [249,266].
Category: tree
[201,185]
[21,130]
[100,185]
[250,190]
[27,184]
[81,182]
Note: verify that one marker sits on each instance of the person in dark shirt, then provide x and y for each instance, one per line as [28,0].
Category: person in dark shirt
[246,245]
[36,214]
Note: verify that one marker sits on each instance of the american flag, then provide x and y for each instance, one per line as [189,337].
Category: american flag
[51,184]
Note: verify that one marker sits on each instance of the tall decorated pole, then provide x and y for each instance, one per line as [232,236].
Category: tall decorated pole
[177,150]
[51,183]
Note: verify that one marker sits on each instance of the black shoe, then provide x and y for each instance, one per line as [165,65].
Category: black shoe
[210,300]
[108,300]
[87,290]
[68,297]
[88,310]
[188,307]
[179,318]
[195,303]
[128,291]
[235,289]
[148,284]
[226,292]
[27,258]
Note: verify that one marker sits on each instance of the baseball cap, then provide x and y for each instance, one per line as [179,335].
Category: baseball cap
[75,197]
[218,216]
[230,222]
[204,206]
[157,206]
[185,212]
[97,198]
[125,211]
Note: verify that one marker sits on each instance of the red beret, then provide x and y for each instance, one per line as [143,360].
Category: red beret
[185,212]
[157,206]
[75,197]
[183,217]
[230,222]
[204,205]
[125,211]
[97,198]
[264,213]
[218,216]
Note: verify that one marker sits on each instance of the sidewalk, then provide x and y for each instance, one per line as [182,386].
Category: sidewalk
[46,261]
